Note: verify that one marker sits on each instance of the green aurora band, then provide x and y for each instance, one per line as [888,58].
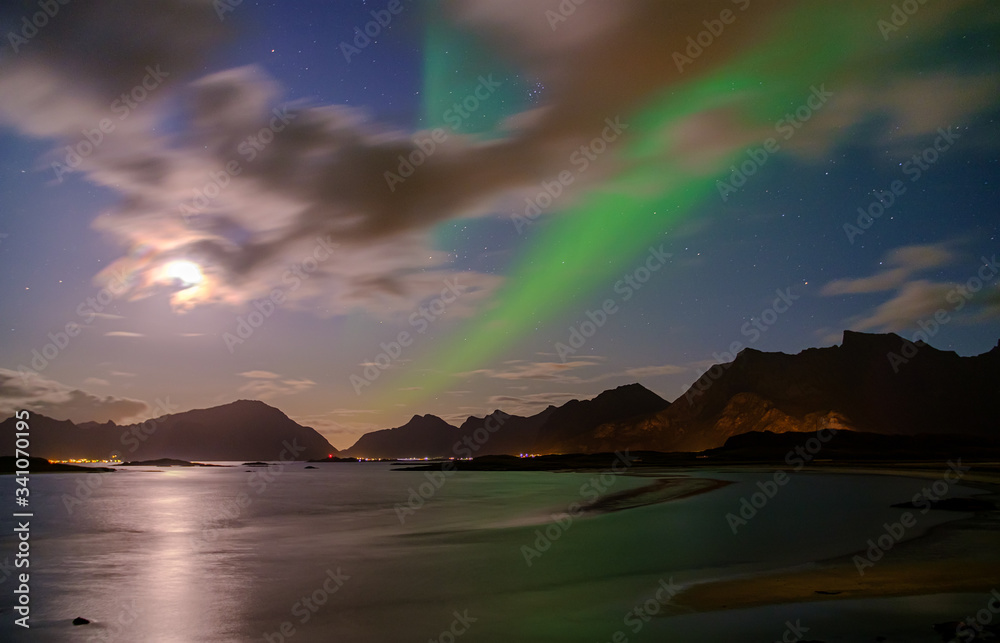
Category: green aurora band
[584,251]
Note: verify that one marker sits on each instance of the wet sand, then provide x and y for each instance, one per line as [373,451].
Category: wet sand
[663,489]
[959,556]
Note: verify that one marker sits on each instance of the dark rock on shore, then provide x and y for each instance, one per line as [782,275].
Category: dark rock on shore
[167,462]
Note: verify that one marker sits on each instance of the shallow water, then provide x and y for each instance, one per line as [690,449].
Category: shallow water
[232,554]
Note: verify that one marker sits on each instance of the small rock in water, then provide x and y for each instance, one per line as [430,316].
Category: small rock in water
[79,620]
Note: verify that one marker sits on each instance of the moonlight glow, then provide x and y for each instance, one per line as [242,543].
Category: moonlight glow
[187,273]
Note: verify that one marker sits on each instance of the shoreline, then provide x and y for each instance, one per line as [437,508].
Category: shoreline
[662,489]
[959,556]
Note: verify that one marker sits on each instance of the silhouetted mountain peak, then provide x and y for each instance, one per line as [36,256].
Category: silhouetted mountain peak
[577,417]
[250,405]
[241,430]
[857,341]
[627,392]
[425,420]
[475,421]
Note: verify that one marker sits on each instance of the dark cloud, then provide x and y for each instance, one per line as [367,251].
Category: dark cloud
[265,385]
[919,300]
[531,404]
[904,262]
[321,174]
[61,402]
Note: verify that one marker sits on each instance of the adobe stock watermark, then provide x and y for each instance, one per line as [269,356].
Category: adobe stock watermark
[787,127]
[365,34]
[753,330]
[696,45]
[794,632]
[421,320]
[428,145]
[626,287]
[637,617]
[591,491]
[900,16]
[88,310]
[231,509]
[895,532]
[308,606]
[463,449]
[581,159]
[132,436]
[222,7]
[38,20]
[959,297]
[291,280]
[249,148]
[121,107]
[564,11]
[915,169]
[797,458]
[970,628]
[459,626]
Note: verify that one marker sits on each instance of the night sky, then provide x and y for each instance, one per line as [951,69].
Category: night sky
[486,204]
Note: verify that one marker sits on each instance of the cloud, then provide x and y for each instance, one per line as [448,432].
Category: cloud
[61,402]
[904,103]
[323,174]
[264,385]
[260,375]
[991,305]
[914,300]
[561,372]
[533,403]
[907,261]
[524,370]
[96,381]
[122,333]
[654,371]
[52,86]
[349,412]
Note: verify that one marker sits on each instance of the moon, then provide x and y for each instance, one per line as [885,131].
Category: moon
[187,273]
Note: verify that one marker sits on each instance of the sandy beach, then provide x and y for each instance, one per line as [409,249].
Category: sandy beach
[960,556]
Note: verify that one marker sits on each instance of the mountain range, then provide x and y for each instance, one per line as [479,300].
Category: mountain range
[242,430]
[875,383]
[871,383]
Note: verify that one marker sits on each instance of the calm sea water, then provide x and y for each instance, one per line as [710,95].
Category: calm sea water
[234,554]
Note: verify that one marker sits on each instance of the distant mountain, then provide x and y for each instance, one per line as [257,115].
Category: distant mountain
[243,430]
[554,429]
[430,436]
[573,427]
[423,436]
[514,434]
[878,384]
[871,383]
